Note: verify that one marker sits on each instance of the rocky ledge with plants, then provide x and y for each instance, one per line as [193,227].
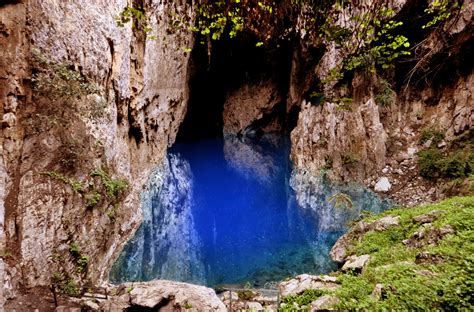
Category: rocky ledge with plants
[415,259]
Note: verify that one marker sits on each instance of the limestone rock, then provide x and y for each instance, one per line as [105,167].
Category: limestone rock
[427,218]
[305,281]
[382,185]
[324,303]
[254,306]
[179,295]
[249,104]
[356,263]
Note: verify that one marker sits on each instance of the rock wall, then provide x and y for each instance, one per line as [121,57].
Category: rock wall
[367,140]
[141,98]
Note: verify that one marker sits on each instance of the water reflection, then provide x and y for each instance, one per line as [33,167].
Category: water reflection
[224,212]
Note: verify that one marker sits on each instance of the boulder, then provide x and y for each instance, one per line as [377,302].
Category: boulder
[427,218]
[303,282]
[324,303]
[356,263]
[254,306]
[383,185]
[168,293]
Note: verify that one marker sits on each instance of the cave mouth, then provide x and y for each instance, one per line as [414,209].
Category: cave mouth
[227,66]
[222,212]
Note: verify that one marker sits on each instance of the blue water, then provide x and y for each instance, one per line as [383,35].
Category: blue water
[228,215]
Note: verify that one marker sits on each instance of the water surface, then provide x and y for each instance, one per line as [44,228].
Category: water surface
[223,212]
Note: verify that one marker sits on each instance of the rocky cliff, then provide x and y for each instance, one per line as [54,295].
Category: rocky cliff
[88,110]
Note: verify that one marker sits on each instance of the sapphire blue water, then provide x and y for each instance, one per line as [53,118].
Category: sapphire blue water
[223,212]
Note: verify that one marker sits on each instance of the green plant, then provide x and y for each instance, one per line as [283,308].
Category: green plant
[113,187]
[385,95]
[440,11]
[92,200]
[303,300]
[71,289]
[433,164]
[350,158]
[76,186]
[58,80]
[433,134]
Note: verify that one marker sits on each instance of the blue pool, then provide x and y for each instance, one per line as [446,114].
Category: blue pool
[225,211]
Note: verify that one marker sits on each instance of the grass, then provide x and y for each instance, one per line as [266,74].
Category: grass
[409,285]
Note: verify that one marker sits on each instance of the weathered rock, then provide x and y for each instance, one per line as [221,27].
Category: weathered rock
[305,281]
[377,292]
[383,185]
[159,293]
[427,218]
[324,303]
[356,263]
[248,104]
[254,306]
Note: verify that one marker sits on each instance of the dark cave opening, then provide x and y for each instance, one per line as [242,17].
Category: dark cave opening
[230,64]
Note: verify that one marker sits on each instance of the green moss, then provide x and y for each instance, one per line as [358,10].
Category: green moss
[409,285]
[303,300]
[246,294]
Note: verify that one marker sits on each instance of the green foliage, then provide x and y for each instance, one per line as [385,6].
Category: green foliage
[303,300]
[350,158]
[76,186]
[246,294]
[410,285]
[81,261]
[433,134]
[59,80]
[385,95]
[440,11]
[71,289]
[92,199]
[113,187]
[434,164]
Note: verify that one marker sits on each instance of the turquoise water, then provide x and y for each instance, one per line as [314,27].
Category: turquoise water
[224,212]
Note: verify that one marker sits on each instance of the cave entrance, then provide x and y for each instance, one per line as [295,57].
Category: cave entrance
[228,66]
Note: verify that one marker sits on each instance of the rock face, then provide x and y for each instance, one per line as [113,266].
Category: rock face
[249,105]
[123,124]
[166,244]
[357,142]
[166,295]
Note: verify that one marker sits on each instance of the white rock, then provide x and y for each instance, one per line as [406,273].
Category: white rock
[305,281]
[356,263]
[383,185]
[325,302]
[254,306]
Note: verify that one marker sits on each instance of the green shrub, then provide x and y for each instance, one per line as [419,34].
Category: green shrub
[433,134]
[433,164]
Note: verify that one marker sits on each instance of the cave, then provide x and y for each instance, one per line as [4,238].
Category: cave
[223,66]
